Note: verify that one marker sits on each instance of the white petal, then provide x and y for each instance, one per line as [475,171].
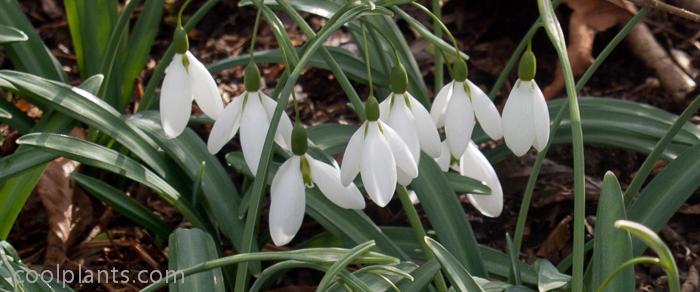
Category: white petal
[385,107]
[352,159]
[518,132]
[327,179]
[486,112]
[473,164]
[400,119]
[226,126]
[425,126]
[254,126]
[288,199]
[378,167]
[403,178]
[175,98]
[440,103]
[413,197]
[459,121]
[283,137]
[445,158]
[204,89]
[540,117]
[404,159]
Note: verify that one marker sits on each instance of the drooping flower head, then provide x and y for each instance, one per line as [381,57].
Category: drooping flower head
[457,107]
[186,78]
[409,118]
[252,112]
[381,157]
[288,190]
[526,115]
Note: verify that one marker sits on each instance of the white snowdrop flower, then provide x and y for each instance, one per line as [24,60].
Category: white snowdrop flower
[186,79]
[288,190]
[380,156]
[457,107]
[474,164]
[252,113]
[526,115]
[409,118]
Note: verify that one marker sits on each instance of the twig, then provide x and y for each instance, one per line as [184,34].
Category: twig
[656,4]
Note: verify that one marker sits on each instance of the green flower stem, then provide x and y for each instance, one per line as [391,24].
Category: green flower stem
[439,23]
[527,196]
[365,47]
[259,185]
[417,225]
[648,164]
[256,26]
[630,263]
[438,75]
[147,100]
[343,80]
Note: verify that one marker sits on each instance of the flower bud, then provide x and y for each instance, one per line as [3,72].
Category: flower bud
[299,140]
[399,79]
[460,71]
[372,109]
[528,66]
[252,78]
[180,42]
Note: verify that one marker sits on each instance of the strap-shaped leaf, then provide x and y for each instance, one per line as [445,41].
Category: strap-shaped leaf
[461,279]
[189,247]
[10,35]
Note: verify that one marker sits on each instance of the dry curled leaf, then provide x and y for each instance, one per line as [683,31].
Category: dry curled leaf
[552,247]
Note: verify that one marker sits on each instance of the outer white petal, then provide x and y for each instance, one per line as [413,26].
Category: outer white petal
[226,126]
[204,89]
[445,158]
[352,159]
[385,107]
[401,120]
[327,179]
[175,98]
[518,132]
[288,199]
[459,121]
[473,164]
[378,167]
[540,117]
[425,126]
[440,103]
[283,137]
[254,126]
[486,112]
[404,158]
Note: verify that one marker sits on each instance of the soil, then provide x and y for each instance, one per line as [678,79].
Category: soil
[488,31]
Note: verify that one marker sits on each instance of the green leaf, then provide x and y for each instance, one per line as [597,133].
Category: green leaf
[90,23]
[110,160]
[548,277]
[123,204]
[21,161]
[189,247]
[612,247]
[354,253]
[446,215]
[10,35]
[16,119]
[16,276]
[422,276]
[5,114]
[456,272]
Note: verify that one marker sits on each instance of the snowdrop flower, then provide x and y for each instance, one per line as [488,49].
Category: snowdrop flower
[475,165]
[186,79]
[251,112]
[381,157]
[288,190]
[407,116]
[525,115]
[458,105]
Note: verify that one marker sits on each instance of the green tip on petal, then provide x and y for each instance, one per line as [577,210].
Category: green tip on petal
[372,109]
[299,140]
[460,71]
[399,79]
[180,42]
[252,78]
[528,66]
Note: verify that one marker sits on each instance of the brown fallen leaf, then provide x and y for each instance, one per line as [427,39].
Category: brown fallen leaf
[692,282]
[556,241]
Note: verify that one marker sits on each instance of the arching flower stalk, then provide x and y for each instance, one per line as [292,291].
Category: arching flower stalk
[457,107]
[526,115]
[186,79]
[252,112]
[379,155]
[407,116]
[474,164]
[288,190]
